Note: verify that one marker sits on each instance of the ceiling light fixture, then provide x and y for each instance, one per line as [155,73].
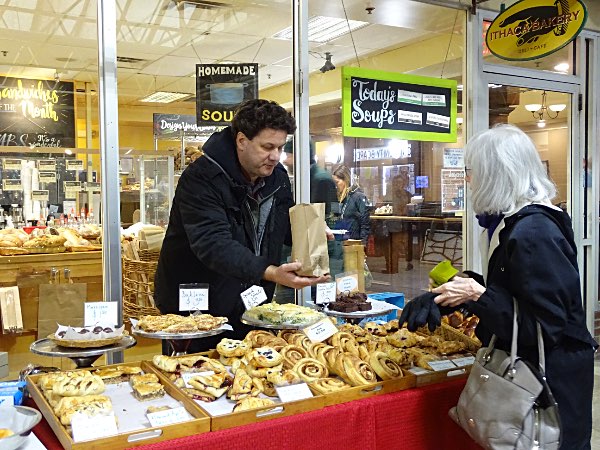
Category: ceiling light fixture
[164,97]
[324,29]
[328,64]
[539,111]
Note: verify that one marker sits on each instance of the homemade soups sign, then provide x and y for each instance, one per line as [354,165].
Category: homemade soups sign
[531,29]
[392,105]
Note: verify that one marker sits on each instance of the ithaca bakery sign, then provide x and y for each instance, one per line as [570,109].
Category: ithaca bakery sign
[532,29]
[36,113]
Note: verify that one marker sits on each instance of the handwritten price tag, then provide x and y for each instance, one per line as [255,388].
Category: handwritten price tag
[86,428]
[187,375]
[294,392]
[321,330]
[347,284]
[193,297]
[104,313]
[325,293]
[253,296]
[168,417]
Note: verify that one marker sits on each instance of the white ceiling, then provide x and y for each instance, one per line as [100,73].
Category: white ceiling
[42,37]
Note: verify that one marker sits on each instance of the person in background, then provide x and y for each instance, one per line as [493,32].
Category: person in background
[354,208]
[529,254]
[230,219]
[400,194]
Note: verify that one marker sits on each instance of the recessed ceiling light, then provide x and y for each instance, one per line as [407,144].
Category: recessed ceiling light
[562,67]
[324,29]
[164,97]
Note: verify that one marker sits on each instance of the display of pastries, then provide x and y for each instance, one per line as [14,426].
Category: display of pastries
[174,323]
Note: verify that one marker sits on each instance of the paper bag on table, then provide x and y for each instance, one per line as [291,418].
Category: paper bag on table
[309,239]
[60,303]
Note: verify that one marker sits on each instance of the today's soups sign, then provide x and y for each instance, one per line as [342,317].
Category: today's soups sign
[532,29]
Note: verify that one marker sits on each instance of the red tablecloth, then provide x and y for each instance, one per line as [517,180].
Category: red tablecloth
[412,419]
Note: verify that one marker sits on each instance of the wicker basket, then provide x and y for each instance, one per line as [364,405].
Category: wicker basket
[138,284]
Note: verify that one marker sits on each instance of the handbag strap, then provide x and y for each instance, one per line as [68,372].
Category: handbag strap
[513,344]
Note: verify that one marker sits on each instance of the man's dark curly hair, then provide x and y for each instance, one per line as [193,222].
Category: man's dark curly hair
[253,116]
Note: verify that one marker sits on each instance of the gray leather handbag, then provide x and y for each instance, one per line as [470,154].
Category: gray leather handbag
[506,402]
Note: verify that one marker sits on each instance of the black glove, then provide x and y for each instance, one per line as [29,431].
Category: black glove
[420,311]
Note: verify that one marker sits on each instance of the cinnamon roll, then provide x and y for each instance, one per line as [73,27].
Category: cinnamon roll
[309,369]
[292,354]
[327,385]
[384,366]
[258,338]
[358,372]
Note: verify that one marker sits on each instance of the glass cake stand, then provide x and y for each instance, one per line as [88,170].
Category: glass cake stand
[179,342]
[82,357]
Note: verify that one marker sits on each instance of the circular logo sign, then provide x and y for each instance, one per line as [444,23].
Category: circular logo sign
[531,29]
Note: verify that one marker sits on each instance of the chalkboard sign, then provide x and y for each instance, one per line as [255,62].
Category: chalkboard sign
[220,88]
[36,113]
[391,105]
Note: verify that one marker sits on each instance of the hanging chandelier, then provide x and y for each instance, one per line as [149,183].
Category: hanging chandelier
[542,111]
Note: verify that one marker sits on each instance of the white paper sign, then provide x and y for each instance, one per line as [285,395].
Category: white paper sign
[187,375]
[193,297]
[347,284]
[74,164]
[7,400]
[47,165]
[104,313]
[47,177]
[86,428]
[454,158]
[11,164]
[465,361]
[321,330]
[325,293]
[253,296]
[41,195]
[443,364]
[294,392]
[168,417]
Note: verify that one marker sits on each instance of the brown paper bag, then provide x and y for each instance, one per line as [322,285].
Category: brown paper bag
[309,240]
[60,303]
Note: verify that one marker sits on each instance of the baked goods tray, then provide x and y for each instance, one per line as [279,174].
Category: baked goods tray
[378,308]
[133,426]
[281,326]
[178,336]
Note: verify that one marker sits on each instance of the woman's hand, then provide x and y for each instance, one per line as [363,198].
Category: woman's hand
[458,291]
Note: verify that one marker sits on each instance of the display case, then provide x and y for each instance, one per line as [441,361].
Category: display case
[40,184]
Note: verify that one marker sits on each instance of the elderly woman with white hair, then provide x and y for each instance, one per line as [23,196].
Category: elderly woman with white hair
[528,253]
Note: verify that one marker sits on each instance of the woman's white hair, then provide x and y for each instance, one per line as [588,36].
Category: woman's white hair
[506,171]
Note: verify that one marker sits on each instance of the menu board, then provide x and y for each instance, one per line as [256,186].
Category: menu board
[379,104]
[220,88]
[36,113]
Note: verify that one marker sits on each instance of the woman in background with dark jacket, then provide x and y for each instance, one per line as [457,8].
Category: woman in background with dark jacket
[354,211]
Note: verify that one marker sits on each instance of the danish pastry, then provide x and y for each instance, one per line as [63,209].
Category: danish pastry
[166,363]
[292,354]
[402,338]
[261,372]
[215,385]
[384,366]
[375,329]
[258,338]
[199,363]
[264,357]
[232,347]
[265,386]
[252,403]
[358,372]
[328,385]
[241,386]
[309,369]
[285,378]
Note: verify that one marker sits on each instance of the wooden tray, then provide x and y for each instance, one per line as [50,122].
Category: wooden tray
[38,250]
[84,248]
[408,381]
[225,421]
[11,251]
[431,377]
[200,423]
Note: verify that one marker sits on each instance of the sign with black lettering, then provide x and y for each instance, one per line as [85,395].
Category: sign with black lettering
[391,105]
[220,88]
[36,113]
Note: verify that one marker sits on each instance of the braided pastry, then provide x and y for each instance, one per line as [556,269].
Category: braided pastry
[384,367]
[358,372]
[292,354]
[309,369]
[327,385]
[75,387]
[258,338]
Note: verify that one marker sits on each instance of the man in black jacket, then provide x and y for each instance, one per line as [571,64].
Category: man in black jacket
[230,218]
